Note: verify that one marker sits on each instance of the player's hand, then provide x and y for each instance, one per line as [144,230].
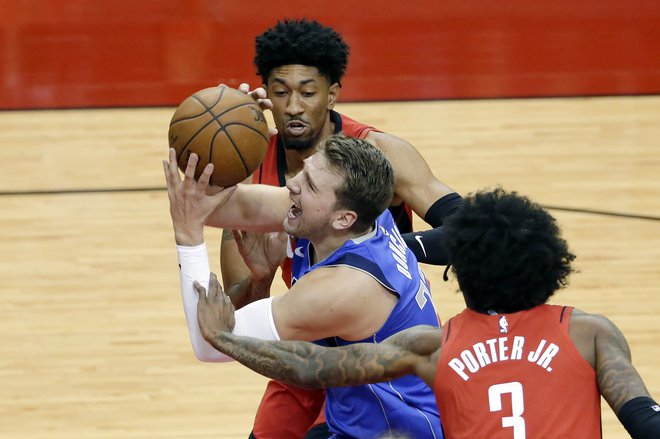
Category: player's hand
[262,252]
[261,97]
[258,94]
[191,202]
[215,312]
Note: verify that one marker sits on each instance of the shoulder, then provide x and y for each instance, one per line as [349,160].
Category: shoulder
[592,324]
[331,301]
[595,336]
[386,142]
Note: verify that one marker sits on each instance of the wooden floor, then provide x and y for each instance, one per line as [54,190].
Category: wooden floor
[93,342]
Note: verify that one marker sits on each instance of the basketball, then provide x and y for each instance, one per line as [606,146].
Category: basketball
[222,126]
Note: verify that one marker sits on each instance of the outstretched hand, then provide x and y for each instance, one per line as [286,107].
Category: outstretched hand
[215,312]
[191,202]
[261,252]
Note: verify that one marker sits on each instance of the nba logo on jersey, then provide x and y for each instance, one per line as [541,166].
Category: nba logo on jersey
[504,325]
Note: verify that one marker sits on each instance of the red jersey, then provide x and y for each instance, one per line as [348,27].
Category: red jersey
[505,375]
[286,411]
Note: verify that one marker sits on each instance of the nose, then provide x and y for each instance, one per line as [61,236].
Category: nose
[292,184]
[293,105]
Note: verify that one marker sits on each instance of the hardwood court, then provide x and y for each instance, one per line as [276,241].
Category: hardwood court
[93,342]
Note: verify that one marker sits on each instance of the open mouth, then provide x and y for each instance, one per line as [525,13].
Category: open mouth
[295,128]
[294,211]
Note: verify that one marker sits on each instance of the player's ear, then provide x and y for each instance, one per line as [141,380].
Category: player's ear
[344,219]
[333,95]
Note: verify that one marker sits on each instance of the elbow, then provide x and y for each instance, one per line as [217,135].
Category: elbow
[207,354]
[203,357]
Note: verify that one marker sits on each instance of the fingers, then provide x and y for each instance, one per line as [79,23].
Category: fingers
[259,93]
[244,87]
[206,175]
[167,166]
[190,168]
[201,291]
[214,287]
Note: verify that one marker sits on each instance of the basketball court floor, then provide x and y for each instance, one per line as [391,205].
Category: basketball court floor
[93,341]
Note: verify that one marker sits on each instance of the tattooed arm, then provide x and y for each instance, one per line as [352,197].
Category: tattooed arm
[605,348]
[618,380]
[308,365]
[413,351]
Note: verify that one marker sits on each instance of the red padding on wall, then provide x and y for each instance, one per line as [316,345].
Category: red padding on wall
[88,53]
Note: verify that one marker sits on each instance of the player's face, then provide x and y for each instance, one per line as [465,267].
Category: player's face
[313,199]
[302,99]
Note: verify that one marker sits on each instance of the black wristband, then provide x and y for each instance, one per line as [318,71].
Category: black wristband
[641,418]
[442,208]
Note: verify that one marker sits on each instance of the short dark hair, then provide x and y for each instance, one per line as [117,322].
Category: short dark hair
[303,42]
[506,251]
[368,178]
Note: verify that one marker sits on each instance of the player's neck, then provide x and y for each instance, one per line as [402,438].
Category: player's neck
[324,247]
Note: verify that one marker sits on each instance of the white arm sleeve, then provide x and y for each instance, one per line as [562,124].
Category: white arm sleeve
[253,320]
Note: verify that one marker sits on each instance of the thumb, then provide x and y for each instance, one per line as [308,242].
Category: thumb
[223,195]
[201,291]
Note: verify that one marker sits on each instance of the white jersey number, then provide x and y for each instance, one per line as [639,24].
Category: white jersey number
[516,421]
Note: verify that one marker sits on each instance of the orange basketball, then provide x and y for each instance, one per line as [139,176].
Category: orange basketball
[222,126]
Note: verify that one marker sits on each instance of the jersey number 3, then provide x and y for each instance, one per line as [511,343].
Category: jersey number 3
[516,420]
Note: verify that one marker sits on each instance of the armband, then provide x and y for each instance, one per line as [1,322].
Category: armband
[641,418]
[442,208]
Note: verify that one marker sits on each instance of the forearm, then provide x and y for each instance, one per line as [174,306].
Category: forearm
[427,245]
[253,207]
[255,320]
[249,290]
[239,283]
[641,418]
[194,266]
[305,364]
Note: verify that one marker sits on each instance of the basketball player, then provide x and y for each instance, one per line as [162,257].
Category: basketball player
[509,365]
[301,64]
[349,257]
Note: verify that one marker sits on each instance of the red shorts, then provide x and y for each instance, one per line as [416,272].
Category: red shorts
[288,412]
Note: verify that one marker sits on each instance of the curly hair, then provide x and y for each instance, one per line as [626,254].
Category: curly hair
[507,252]
[303,42]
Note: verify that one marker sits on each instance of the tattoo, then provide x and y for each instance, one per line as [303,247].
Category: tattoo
[308,365]
[618,380]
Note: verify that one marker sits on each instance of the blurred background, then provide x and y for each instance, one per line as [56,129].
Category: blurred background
[89,53]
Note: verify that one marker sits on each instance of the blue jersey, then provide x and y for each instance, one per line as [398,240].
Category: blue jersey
[404,405]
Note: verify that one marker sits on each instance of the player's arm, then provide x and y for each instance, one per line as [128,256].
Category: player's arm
[413,351]
[331,301]
[245,206]
[254,319]
[255,257]
[618,380]
[428,197]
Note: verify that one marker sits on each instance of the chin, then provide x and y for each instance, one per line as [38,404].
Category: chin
[298,144]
